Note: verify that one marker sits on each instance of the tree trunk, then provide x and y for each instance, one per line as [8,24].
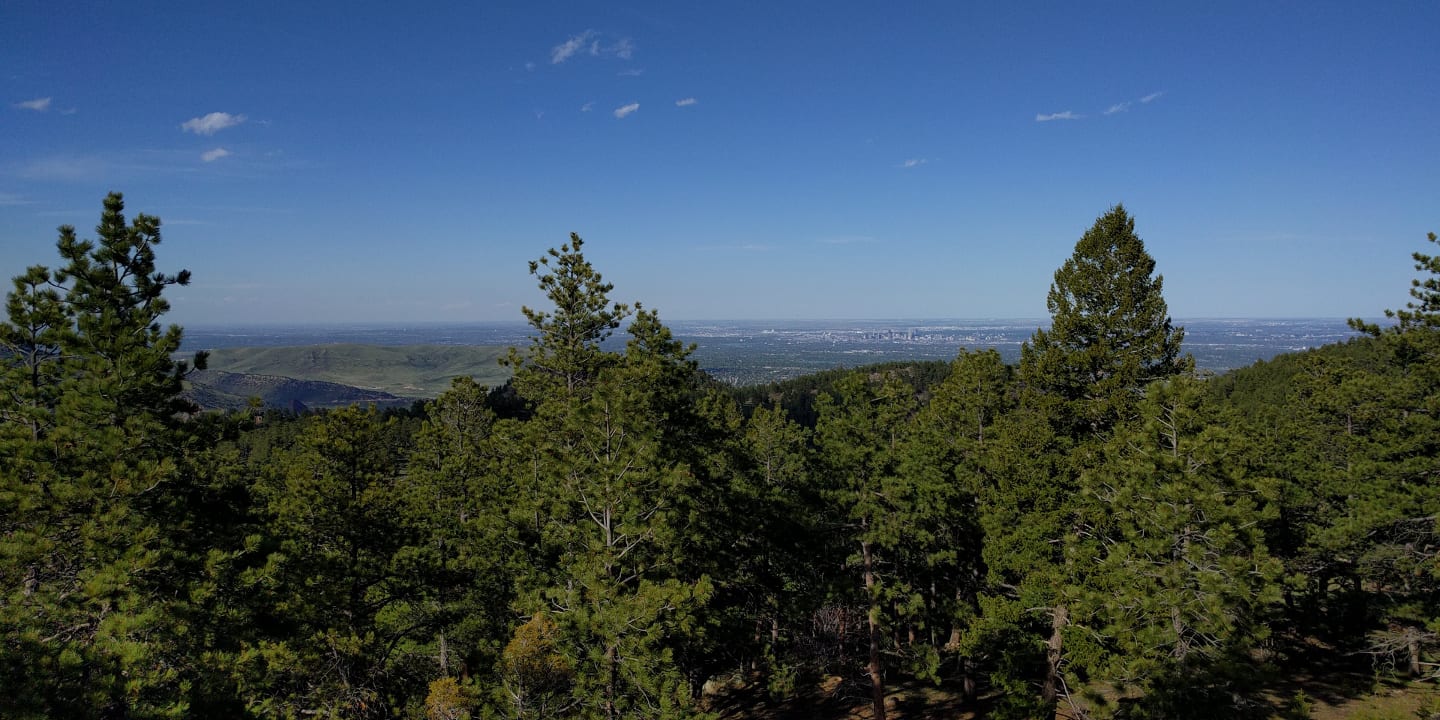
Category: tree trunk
[1054,651]
[612,676]
[877,683]
[1182,644]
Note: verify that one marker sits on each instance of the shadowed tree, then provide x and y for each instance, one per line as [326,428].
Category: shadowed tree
[946,464]
[1172,585]
[861,439]
[338,598]
[1395,504]
[458,503]
[776,578]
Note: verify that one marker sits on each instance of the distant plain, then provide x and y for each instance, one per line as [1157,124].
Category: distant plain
[419,360]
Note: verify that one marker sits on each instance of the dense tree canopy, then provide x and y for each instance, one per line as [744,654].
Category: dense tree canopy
[1095,531]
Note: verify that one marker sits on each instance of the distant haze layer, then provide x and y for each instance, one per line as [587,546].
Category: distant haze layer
[418,360]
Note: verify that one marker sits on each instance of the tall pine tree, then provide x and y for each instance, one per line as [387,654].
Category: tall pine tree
[91,398]
[861,437]
[611,489]
[1110,332]
[1110,336]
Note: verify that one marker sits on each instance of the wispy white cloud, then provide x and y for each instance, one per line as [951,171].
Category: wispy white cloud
[1066,115]
[914,162]
[213,155]
[69,111]
[564,51]
[1126,105]
[686,102]
[624,110]
[594,44]
[587,107]
[529,66]
[13,200]
[212,123]
[632,72]
[38,104]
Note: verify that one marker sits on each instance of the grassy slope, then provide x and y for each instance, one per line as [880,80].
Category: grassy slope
[403,370]
[218,390]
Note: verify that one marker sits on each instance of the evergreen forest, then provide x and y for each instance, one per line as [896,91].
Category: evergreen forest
[1096,531]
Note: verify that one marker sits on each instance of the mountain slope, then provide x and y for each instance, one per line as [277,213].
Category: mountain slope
[218,390]
[401,370]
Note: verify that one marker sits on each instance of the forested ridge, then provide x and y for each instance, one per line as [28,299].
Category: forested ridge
[1096,531]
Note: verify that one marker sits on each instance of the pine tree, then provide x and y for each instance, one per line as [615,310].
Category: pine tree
[89,379]
[565,355]
[1110,333]
[1110,337]
[339,605]
[861,438]
[39,323]
[945,463]
[457,502]
[535,679]
[775,578]
[612,491]
[1026,507]
[1172,582]
[1395,505]
[1421,313]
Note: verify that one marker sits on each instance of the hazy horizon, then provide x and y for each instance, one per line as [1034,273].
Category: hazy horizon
[749,351]
[757,320]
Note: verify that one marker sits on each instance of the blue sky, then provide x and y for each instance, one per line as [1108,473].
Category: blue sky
[401,162]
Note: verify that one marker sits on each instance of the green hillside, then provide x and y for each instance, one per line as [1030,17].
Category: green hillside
[217,390]
[402,370]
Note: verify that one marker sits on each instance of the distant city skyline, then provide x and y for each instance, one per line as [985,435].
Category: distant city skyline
[363,162]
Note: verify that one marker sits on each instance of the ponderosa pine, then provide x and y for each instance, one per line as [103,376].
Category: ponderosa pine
[1110,333]
[611,490]
[861,437]
[91,444]
[1110,336]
